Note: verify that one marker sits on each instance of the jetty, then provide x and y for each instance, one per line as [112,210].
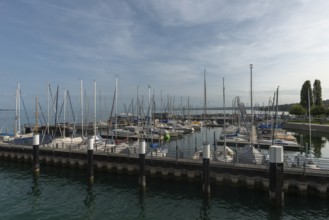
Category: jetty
[305,127]
[301,180]
[259,145]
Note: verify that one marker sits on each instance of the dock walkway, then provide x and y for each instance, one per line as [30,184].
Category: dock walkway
[302,180]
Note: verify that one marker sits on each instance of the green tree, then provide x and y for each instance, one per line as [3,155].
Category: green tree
[304,93]
[317,92]
[327,111]
[318,110]
[297,110]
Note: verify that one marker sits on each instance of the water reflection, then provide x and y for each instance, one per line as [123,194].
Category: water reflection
[35,193]
[318,142]
[89,202]
[141,204]
[205,207]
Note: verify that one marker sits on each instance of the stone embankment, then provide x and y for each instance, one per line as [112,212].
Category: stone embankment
[305,127]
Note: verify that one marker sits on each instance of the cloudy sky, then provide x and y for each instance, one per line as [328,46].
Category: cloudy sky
[166,44]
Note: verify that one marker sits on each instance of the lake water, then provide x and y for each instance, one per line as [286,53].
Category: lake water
[61,193]
[64,194]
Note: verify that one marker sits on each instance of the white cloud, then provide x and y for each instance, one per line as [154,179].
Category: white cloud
[168,44]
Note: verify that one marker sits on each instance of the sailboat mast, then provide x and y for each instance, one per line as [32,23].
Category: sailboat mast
[205,92]
[81,106]
[16,128]
[116,105]
[149,105]
[251,104]
[48,113]
[95,109]
[36,116]
[64,125]
[205,101]
[224,126]
[309,119]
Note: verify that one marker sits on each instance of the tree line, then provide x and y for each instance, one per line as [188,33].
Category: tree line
[310,100]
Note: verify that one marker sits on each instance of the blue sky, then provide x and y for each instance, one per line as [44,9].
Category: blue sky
[166,44]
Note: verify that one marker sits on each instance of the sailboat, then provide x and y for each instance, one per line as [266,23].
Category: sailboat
[63,140]
[26,139]
[305,160]
[249,154]
[224,153]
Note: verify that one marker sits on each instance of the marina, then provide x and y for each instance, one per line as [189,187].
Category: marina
[164,110]
[177,163]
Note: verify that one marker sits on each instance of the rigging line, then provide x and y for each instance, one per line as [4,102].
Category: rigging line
[28,121]
[43,116]
[69,97]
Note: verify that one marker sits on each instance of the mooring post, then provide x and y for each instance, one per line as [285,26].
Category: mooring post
[276,175]
[36,166]
[176,150]
[206,168]
[142,149]
[195,147]
[90,155]
[236,151]
[215,144]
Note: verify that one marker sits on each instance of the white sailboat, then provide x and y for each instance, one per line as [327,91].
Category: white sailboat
[224,153]
[305,160]
[63,140]
[249,154]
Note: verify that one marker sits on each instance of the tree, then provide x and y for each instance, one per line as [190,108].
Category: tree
[318,110]
[297,110]
[317,92]
[304,93]
[327,112]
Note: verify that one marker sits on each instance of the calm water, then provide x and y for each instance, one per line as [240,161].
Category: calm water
[65,194]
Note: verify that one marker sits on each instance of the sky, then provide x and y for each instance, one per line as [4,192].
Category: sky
[163,47]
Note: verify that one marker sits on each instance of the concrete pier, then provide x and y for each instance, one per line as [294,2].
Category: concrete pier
[295,180]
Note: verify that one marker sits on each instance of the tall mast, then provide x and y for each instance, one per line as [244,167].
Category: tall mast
[64,113]
[48,113]
[205,101]
[205,92]
[95,109]
[251,104]
[17,109]
[81,106]
[224,126]
[36,116]
[309,119]
[137,105]
[150,120]
[116,102]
